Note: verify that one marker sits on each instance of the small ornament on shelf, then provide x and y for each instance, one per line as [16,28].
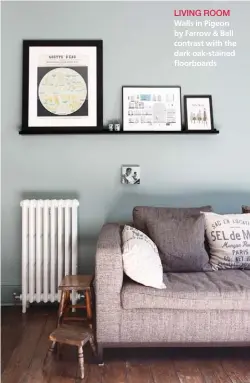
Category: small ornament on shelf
[117,127]
[114,125]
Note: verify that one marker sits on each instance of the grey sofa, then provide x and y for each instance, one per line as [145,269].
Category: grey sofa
[196,309]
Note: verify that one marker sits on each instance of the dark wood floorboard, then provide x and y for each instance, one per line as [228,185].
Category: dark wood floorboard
[22,354]
[35,371]
[64,369]
[212,371]
[11,332]
[114,372]
[93,374]
[188,371]
[139,373]
[237,370]
[164,372]
[25,344]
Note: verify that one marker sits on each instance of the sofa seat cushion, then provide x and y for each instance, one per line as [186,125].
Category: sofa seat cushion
[218,290]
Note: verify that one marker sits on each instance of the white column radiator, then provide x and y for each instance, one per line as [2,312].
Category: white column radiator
[49,248]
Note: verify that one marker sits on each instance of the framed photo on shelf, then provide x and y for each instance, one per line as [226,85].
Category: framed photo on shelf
[151,108]
[62,86]
[198,111]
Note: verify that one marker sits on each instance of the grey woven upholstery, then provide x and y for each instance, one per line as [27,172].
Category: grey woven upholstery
[218,290]
[211,307]
[108,283]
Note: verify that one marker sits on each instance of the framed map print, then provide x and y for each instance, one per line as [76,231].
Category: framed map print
[62,86]
[151,108]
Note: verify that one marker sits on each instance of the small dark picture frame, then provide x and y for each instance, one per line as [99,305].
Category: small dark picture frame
[62,86]
[198,113]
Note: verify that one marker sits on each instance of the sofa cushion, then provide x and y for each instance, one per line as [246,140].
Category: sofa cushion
[143,214]
[141,261]
[218,290]
[181,243]
[173,235]
[229,240]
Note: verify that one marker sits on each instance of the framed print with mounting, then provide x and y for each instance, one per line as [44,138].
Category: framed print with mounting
[62,86]
[151,108]
[198,112]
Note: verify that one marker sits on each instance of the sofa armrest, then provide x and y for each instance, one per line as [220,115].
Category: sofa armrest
[108,267]
[108,283]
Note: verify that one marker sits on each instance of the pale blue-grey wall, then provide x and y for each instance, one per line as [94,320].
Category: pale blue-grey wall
[176,170]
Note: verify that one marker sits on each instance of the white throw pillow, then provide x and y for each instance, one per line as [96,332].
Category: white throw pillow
[229,240]
[141,261]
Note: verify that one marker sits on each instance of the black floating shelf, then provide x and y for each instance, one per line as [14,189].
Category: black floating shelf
[114,133]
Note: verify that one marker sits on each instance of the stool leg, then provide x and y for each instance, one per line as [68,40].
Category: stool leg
[49,354]
[88,307]
[52,347]
[74,300]
[61,307]
[92,344]
[59,351]
[66,303]
[81,361]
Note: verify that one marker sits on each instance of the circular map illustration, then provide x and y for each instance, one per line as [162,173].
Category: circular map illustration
[62,91]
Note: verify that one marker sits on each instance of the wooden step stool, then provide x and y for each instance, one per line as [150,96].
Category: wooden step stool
[74,336]
[75,283]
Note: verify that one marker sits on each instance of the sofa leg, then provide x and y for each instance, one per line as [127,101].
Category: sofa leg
[100,354]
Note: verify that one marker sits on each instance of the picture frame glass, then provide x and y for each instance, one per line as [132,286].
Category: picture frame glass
[199,113]
[63,85]
[131,174]
[151,108]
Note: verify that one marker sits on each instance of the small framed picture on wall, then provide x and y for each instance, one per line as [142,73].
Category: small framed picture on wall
[131,174]
[198,111]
